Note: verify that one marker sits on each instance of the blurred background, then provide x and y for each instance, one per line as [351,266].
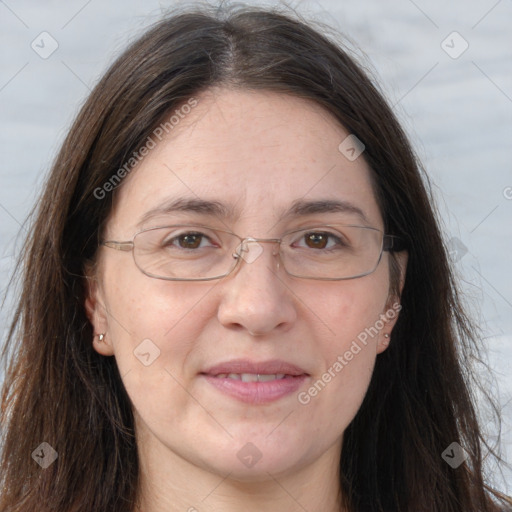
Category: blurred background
[446,67]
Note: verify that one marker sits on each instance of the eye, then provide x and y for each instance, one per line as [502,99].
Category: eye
[321,240]
[190,240]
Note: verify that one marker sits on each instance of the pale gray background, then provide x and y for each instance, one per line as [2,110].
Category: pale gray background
[458,112]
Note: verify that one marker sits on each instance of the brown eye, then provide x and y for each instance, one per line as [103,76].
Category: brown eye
[190,240]
[317,240]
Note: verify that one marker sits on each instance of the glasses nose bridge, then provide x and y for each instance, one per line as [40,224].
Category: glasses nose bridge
[253,255]
[268,240]
[262,240]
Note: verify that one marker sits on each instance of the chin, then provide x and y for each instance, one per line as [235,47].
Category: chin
[255,461]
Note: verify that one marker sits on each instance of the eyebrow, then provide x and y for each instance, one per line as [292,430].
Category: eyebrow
[298,208]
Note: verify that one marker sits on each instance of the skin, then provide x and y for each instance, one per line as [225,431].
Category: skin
[257,151]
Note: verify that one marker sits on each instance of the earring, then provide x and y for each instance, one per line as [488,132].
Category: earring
[101,337]
[386,335]
[386,339]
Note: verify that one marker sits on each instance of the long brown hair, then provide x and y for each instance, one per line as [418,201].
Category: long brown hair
[59,390]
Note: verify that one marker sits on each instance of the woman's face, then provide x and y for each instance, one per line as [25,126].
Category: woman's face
[256,153]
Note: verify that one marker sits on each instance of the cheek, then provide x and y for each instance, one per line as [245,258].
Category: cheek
[352,313]
[349,308]
[335,393]
[154,326]
[140,307]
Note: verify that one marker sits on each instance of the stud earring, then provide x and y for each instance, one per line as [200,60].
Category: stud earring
[101,337]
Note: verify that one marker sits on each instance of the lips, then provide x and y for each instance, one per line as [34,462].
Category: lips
[244,366]
[256,382]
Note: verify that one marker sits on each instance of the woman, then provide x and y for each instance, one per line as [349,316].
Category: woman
[236,295]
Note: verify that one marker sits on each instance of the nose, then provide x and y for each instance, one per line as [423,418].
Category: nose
[255,297]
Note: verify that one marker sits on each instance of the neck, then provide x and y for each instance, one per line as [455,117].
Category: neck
[170,483]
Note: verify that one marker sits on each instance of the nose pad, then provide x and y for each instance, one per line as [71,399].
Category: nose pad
[249,250]
[275,252]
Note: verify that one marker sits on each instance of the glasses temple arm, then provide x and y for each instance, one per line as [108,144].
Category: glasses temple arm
[393,243]
[119,246]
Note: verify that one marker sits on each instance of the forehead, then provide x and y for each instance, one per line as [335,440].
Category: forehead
[256,153]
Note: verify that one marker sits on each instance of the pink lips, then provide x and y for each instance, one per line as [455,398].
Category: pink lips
[291,378]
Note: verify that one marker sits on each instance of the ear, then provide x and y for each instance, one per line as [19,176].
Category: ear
[97,313]
[389,316]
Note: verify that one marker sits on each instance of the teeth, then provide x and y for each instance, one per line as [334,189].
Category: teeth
[265,378]
[251,377]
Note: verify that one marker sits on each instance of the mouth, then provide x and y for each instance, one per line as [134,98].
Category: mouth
[277,367]
[256,382]
[252,377]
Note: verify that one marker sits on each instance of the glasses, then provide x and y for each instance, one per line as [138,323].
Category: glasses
[187,252]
